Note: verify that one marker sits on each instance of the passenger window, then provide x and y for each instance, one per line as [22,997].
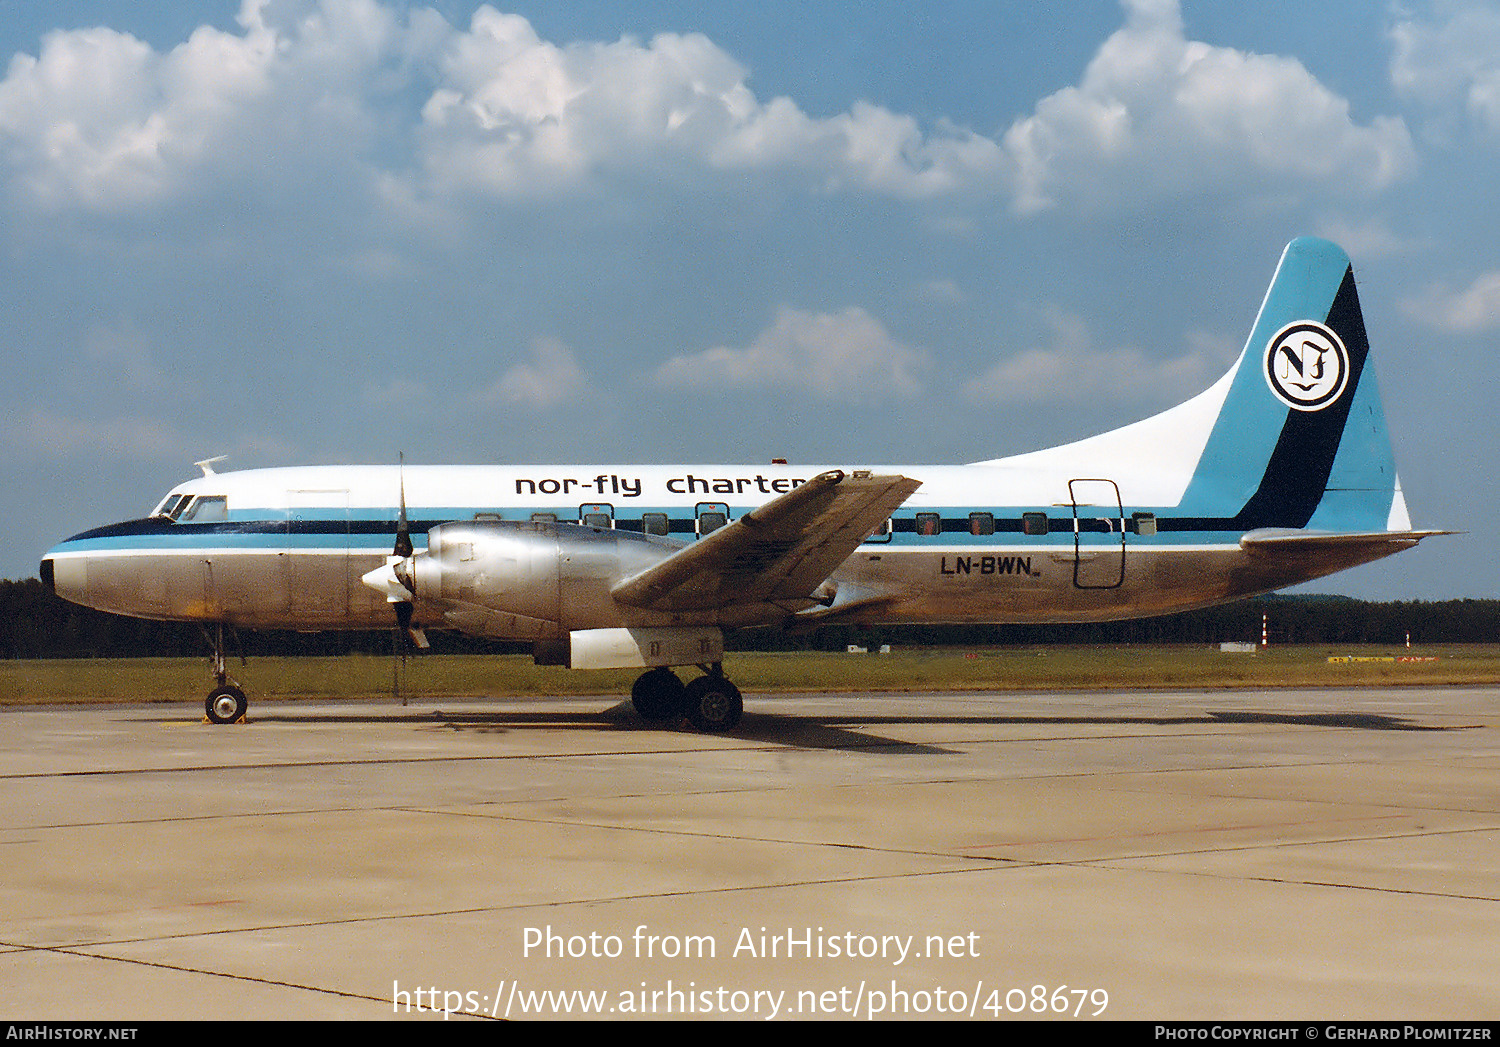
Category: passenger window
[929,524]
[653,523]
[544,518]
[882,533]
[599,514]
[711,516]
[981,523]
[1145,523]
[1034,523]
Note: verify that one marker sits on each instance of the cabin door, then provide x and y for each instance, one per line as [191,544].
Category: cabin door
[1098,534]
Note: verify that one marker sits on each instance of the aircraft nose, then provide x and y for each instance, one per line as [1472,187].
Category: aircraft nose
[66,576]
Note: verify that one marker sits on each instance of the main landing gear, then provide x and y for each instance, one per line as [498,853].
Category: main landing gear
[226,702]
[711,703]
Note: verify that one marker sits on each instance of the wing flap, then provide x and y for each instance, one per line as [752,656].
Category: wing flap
[782,550]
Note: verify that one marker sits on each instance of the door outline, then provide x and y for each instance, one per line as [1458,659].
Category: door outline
[1097,566]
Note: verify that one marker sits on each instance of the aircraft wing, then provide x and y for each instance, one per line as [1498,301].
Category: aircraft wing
[782,550]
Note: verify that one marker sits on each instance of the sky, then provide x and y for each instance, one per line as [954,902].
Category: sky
[320,231]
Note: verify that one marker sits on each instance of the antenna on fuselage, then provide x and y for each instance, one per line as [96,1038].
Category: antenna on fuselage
[207,465]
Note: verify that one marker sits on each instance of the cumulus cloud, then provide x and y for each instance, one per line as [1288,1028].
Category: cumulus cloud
[550,377]
[1451,59]
[515,113]
[1468,310]
[99,119]
[395,102]
[1071,370]
[1157,112]
[847,356]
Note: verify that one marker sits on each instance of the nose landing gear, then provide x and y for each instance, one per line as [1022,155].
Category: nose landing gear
[226,703]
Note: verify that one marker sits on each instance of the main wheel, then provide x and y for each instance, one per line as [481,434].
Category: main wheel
[226,704]
[714,704]
[657,694]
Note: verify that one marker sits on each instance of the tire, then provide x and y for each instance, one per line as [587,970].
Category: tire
[658,695]
[714,704]
[226,704]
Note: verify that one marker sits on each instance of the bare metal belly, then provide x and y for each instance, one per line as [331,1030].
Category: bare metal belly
[321,589]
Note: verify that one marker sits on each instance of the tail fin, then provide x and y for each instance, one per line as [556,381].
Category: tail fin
[1300,441]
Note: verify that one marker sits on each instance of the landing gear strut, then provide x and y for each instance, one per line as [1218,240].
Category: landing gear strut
[226,702]
[711,703]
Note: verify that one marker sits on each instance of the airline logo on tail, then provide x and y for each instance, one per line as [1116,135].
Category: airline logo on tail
[1307,366]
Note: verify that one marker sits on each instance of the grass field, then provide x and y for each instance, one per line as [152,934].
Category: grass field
[978,669]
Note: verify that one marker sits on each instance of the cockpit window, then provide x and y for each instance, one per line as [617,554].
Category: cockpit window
[171,505]
[206,508]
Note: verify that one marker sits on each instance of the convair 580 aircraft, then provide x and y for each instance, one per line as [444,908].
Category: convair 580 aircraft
[1279,473]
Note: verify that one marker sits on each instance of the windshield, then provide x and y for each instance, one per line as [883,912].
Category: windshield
[171,505]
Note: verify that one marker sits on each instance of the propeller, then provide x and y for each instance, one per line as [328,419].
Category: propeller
[396,581]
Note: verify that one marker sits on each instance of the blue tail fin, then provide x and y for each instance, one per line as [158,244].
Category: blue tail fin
[1301,439]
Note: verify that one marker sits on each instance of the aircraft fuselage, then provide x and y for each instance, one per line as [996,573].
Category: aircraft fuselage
[293,544]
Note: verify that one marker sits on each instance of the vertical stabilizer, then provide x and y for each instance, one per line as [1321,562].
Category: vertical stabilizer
[1301,439]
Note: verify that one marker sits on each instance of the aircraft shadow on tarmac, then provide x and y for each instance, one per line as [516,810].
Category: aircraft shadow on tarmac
[843,732]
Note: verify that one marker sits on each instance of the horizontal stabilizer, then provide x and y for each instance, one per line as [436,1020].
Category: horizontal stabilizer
[782,550]
[1312,554]
[1276,540]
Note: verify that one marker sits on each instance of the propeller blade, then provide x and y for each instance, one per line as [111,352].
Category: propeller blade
[395,580]
[397,583]
[403,528]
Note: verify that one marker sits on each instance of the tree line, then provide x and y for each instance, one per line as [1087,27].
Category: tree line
[36,624]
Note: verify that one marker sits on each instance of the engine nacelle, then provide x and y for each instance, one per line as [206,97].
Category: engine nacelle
[547,572]
[643,648]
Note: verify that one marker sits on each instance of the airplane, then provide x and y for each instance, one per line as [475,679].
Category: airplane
[1279,473]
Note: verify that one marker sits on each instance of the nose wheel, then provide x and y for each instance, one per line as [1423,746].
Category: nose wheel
[226,704]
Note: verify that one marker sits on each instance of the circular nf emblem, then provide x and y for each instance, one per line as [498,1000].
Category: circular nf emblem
[1307,366]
